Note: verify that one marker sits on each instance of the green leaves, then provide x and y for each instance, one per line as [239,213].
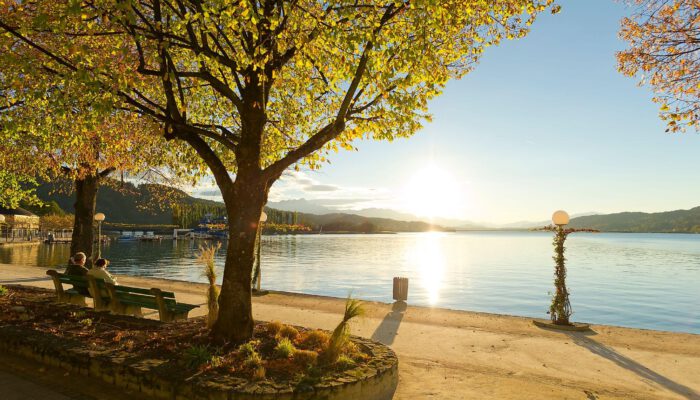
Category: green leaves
[321,74]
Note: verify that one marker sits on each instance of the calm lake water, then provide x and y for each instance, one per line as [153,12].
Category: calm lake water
[637,280]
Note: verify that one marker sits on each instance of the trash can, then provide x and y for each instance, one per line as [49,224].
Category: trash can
[400,289]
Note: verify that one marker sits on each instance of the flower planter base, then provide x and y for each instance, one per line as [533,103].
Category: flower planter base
[573,327]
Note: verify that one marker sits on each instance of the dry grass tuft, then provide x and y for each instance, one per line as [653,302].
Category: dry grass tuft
[273,327]
[206,256]
[341,334]
[288,332]
[305,358]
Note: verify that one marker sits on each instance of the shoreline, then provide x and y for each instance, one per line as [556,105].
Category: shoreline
[187,286]
[453,354]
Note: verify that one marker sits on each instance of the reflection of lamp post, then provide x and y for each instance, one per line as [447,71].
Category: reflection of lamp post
[2,223]
[99,217]
[258,273]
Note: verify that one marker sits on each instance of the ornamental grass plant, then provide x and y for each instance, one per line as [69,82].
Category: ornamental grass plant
[207,256]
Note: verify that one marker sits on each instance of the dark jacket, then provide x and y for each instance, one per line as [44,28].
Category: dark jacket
[78,270]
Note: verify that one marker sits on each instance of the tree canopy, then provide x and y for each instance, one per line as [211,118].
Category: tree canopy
[664,39]
[329,72]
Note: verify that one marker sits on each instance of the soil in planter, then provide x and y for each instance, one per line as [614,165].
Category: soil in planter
[279,354]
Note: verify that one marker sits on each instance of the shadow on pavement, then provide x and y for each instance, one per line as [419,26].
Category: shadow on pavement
[597,348]
[389,327]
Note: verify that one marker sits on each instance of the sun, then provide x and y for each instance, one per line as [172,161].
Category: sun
[433,192]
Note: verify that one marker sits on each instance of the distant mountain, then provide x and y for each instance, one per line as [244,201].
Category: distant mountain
[316,207]
[678,221]
[144,205]
[125,203]
[355,223]
[300,205]
[535,224]
[384,213]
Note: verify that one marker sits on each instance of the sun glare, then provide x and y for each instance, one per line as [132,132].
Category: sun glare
[433,192]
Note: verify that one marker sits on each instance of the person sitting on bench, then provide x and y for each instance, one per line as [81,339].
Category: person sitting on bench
[99,271]
[76,267]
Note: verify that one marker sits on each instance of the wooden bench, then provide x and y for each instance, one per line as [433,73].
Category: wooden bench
[130,300]
[91,285]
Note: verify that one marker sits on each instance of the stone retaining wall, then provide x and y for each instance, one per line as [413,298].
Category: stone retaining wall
[375,381]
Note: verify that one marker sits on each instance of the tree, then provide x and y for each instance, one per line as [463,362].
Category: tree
[259,86]
[664,39]
[53,128]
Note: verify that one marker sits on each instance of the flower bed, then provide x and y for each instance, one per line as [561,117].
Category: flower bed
[178,360]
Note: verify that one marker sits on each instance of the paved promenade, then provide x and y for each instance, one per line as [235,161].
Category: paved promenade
[448,354]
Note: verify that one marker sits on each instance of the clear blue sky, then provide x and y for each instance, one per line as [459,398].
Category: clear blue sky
[543,123]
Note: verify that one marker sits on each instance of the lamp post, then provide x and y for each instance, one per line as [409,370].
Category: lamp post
[560,310]
[99,217]
[257,278]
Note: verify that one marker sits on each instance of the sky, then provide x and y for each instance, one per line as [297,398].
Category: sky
[543,123]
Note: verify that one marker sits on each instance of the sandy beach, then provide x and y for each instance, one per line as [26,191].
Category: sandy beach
[447,354]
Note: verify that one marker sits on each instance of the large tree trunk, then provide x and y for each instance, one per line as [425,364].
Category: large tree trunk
[85,202]
[244,203]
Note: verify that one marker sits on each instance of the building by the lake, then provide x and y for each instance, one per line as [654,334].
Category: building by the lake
[19,224]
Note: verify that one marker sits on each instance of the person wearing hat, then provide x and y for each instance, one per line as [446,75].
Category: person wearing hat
[99,271]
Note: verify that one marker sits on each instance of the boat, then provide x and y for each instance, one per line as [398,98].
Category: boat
[150,237]
[211,228]
[127,236]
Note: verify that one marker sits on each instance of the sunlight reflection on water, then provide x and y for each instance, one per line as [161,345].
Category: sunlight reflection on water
[428,258]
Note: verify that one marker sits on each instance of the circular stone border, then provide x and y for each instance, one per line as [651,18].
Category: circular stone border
[377,379]
[573,327]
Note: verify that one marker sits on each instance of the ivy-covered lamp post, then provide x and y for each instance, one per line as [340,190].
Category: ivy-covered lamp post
[99,217]
[257,273]
[560,310]
[2,226]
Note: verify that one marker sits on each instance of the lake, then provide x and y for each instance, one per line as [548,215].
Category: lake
[636,280]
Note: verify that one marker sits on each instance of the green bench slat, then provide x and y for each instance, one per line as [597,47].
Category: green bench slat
[149,301]
[77,280]
[137,299]
[73,281]
[129,289]
[185,306]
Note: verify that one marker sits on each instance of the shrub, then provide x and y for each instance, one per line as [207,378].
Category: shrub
[305,358]
[344,362]
[3,290]
[259,373]
[196,356]
[87,322]
[253,360]
[273,327]
[341,334]
[216,361]
[284,348]
[206,256]
[288,332]
[315,339]
[246,349]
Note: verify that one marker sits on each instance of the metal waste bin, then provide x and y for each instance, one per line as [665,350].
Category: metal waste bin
[400,289]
